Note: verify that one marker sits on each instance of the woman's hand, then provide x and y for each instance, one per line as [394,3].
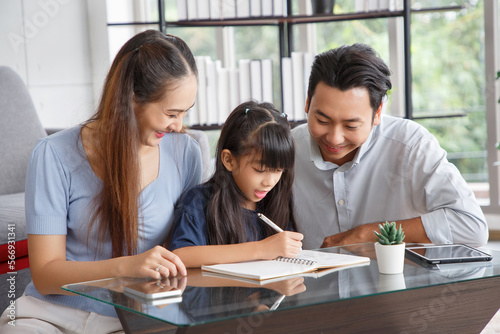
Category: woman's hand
[287,244]
[155,263]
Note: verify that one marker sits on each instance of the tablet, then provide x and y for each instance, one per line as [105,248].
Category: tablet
[455,253]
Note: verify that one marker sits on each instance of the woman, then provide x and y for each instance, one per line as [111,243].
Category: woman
[100,197]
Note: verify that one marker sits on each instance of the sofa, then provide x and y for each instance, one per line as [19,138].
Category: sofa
[20,128]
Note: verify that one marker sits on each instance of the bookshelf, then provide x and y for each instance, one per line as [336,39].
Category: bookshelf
[285,23]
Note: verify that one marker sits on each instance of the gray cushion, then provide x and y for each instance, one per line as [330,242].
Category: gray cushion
[12,212]
[20,128]
[206,162]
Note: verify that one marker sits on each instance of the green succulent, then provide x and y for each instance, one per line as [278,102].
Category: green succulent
[390,234]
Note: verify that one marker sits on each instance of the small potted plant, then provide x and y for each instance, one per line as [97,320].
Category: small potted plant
[390,248]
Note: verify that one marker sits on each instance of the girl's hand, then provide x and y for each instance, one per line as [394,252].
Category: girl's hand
[155,263]
[287,244]
[288,287]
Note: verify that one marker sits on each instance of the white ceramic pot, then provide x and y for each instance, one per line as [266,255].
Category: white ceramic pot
[390,258]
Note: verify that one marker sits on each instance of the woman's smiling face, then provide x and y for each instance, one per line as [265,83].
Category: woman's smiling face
[157,118]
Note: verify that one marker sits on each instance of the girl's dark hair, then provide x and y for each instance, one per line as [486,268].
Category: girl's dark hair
[143,70]
[260,130]
[353,66]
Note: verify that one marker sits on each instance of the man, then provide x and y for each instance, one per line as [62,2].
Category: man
[356,168]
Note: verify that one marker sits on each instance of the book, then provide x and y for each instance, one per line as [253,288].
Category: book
[267,80]
[242,8]
[212,101]
[279,8]
[245,89]
[215,10]
[202,10]
[223,95]
[298,85]
[256,79]
[312,274]
[191,6]
[234,88]
[152,290]
[201,96]
[228,9]
[255,8]
[306,261]
[181,10]
[266,8]
[287,87]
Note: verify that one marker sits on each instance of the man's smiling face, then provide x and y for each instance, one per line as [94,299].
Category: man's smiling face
[340,121]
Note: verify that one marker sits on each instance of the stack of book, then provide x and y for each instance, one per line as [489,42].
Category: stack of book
[229,9]
[221,89]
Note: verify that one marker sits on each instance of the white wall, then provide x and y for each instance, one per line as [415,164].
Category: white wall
[47,42]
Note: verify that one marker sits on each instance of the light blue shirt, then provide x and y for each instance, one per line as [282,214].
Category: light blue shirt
[400,172]
[61,185]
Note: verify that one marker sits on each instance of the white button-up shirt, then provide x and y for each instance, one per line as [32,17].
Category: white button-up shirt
[400,172]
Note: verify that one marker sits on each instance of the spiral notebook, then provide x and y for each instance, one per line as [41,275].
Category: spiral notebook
[306,261]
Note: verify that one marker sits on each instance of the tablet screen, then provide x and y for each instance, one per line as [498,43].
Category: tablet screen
[449,253]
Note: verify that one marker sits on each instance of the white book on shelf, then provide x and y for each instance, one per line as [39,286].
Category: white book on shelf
[215,9]
[255,8]
[395,5]
[256,80]
[211,92]
[383,5]
[267,80]
[202,90]
[192,116]
[181,10]
[308,61]
[203,9]
[266,8]
[245,90]
[373,5]
[287,87]
[279,8]
[191,6]
[223,94]
[228,9]
[298,85]
[234,88]
[359,6]
[218,64]
[242,8]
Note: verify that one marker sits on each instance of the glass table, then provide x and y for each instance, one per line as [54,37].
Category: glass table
[453,298]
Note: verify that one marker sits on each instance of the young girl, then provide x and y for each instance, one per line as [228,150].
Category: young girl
[217,222]
[100,196]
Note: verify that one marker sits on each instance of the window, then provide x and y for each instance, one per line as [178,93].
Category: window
[449,90]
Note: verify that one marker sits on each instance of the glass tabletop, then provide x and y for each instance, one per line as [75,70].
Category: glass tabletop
[208,298]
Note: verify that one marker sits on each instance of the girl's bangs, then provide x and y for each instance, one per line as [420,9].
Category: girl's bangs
[274,146]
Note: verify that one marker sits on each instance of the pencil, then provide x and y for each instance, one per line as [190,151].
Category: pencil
[269,222]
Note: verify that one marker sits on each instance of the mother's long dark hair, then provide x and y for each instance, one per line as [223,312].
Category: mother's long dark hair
[260,130]
[142,72]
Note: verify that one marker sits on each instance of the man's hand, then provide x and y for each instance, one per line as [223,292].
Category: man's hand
[413,227]
[361,233]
